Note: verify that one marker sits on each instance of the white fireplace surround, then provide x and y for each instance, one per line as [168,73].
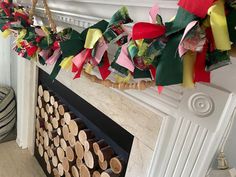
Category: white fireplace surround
[177,133]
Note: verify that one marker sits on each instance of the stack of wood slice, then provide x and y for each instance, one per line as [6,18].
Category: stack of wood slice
[67,146]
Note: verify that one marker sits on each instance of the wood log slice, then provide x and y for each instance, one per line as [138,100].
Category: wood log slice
[75,125]
[109,173]
[55,123]
[59,131]
[56,104]
[54,161]
[72,140]
[51,110]
[56,141]
[49,167]
[70,154]
[75,171]
[78,162]
[103,165]
[117,164]
[67,174]
[47,108]
[97,146]
[60,169]
[68,116]
[41,141]
[60,154]
[84,171]
[65,132]
[40,90]
[55,172]
[57,115]
[53,99]
[65,164]
[46,117]
[105,154]
[40,104]
[49,127]
[79,150]
[64,144]
[45,140]
[45,156]
[62,122]
[84,135]
[96,174]
[42,112]
[40,150]
[90,159]
[46,96]
[62,109]
[49,152]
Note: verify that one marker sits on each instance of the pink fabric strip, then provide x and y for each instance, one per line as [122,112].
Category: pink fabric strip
[51,60]
[153,13]
[124,60]
[101,49]
[181,49]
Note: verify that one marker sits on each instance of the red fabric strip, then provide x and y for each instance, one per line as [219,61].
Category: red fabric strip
[87,55]
[201,75]
[145,30]
[196,7]
[104,69]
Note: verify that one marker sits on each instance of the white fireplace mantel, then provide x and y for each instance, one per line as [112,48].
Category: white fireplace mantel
[177,133]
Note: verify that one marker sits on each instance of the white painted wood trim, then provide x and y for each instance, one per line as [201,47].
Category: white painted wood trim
[130,3]
[26,101]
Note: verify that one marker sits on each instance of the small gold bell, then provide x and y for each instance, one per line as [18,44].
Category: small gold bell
[222,161]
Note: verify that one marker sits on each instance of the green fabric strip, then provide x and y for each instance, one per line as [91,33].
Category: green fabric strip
[170,67]
[182,19]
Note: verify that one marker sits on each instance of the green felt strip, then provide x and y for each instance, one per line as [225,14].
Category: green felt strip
[56,69]
[170,67]
[141,74]
[231,20]
[217,59]
[182,19]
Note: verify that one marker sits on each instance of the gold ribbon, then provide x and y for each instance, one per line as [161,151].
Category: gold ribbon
[92,37]
[188,71]
[219,25]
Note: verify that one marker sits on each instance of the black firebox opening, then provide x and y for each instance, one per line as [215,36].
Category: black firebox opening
[103,127]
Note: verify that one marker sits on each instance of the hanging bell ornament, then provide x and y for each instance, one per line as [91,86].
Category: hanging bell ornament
[222,162]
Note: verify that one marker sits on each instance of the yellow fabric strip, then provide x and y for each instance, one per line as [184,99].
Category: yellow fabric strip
[20,37]
[66,63]
[92,37]
[6,33]
[188,72]
[219,25]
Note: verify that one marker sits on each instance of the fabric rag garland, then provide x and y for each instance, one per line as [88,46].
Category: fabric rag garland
[184,50]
